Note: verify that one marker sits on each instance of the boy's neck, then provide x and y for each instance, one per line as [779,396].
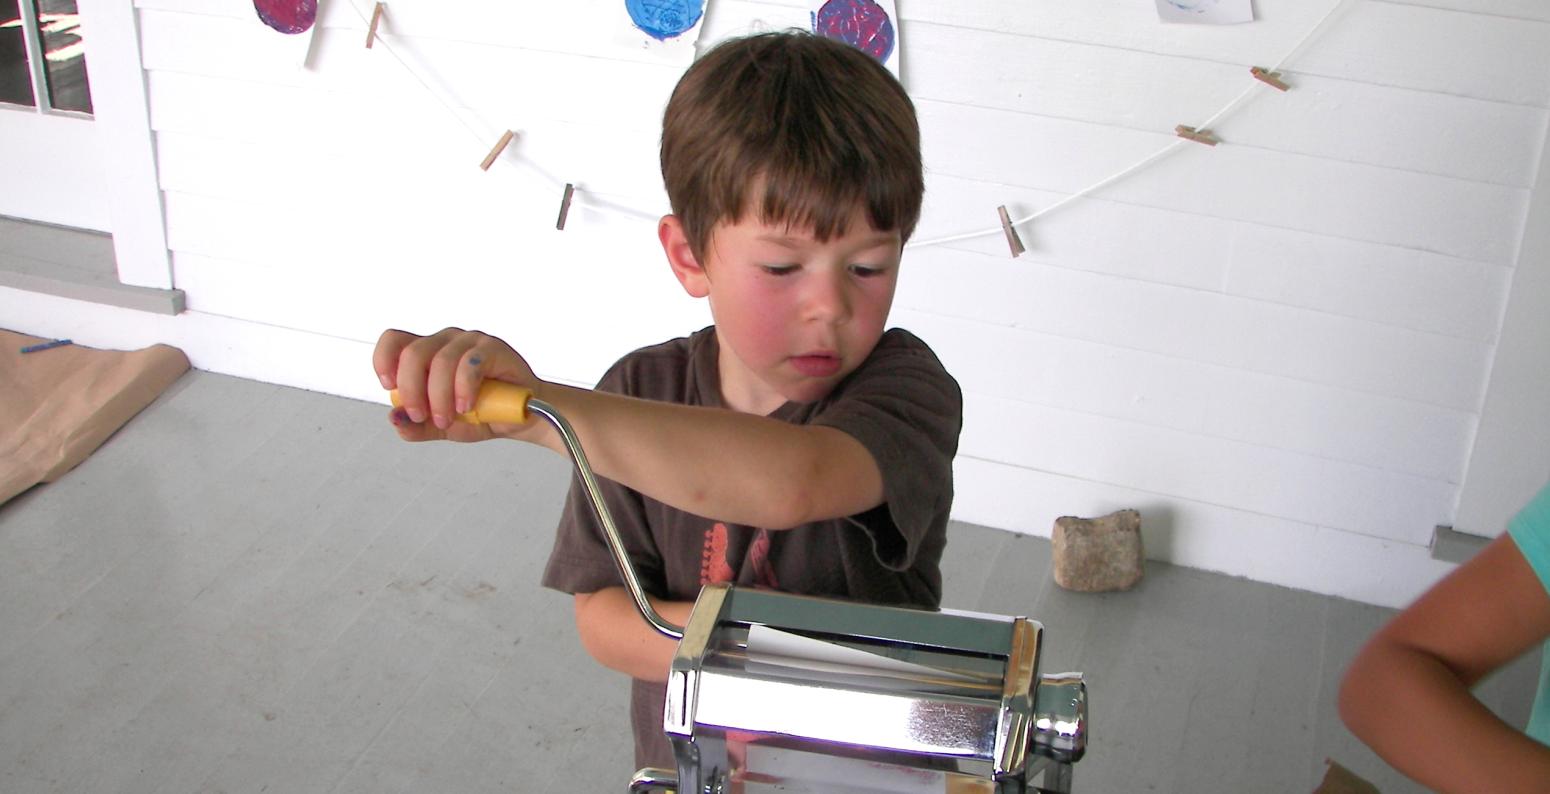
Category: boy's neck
[740,390]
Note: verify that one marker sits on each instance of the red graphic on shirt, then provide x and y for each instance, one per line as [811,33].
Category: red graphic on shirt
[716,567]
[759,558]
[713,564]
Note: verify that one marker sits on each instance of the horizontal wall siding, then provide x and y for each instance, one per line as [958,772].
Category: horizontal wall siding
[1386,284]
[1205,326]
[1276,347]
[1208,400]
[1457,217]
[1264,547]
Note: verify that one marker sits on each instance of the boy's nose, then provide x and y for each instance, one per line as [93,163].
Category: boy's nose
[828,300]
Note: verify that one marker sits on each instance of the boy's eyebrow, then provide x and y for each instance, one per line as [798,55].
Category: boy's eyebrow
[797,241]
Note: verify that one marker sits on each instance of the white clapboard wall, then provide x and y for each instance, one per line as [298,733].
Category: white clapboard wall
[1276,348]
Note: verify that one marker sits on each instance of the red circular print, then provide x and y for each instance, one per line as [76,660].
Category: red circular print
[862,24]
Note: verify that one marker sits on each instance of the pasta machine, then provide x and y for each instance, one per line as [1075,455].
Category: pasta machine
[775,692]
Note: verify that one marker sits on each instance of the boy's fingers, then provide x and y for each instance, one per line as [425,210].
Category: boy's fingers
[414,368]
[441,378]
[473,368]
[384,357]
[438,378]
[409,430]
[466,380]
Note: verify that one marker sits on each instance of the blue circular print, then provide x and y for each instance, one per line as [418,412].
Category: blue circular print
[664,19]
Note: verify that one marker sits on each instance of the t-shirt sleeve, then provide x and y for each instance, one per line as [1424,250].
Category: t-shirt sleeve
[580,561]
[905,408]
[1530,530]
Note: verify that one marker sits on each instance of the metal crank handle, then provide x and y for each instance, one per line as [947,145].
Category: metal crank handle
[499,402]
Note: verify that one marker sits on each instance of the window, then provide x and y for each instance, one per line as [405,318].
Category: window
[42,57]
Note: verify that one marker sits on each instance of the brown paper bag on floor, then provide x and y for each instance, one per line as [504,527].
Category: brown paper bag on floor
[58,405]
[1339,780]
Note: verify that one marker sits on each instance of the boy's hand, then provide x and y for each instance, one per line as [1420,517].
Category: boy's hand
[437,378]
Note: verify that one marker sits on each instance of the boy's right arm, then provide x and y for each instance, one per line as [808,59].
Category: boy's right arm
[616,635]
[741,468]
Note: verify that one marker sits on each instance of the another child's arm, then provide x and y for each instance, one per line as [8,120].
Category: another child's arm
[738,467]
[1407,693]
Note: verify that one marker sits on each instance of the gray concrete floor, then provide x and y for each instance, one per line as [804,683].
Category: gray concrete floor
[252,588]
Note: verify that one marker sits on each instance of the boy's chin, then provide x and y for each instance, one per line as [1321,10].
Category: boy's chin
[809,390]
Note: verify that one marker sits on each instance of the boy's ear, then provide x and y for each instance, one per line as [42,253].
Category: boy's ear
[680,256]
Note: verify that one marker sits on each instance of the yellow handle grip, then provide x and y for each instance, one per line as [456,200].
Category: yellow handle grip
[498,402]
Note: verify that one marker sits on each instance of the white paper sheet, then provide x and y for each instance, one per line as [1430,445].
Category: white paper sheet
[783,647]
[1206,12]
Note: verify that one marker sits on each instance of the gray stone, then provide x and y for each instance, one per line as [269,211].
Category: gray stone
[1094,555]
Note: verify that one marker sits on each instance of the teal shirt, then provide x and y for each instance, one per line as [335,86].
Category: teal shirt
[1530,529]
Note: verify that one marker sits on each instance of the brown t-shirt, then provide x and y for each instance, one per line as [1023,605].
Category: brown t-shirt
[900,404]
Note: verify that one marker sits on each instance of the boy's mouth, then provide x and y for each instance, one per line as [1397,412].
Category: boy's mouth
[816,365]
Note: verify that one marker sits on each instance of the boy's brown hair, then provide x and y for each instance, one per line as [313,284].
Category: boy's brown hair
[817,126]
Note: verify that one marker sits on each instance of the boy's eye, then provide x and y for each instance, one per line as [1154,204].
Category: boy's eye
[867,271]
[779,270]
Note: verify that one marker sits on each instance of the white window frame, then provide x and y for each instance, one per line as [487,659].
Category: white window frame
[115,140]
[37,66]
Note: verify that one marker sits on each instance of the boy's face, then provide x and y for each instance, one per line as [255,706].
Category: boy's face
[793,315]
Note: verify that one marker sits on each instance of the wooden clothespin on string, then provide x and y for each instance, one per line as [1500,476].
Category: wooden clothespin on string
[495,151]
[1272,79]
[570,190]
[1198,136]
[1012,240]
[376,19]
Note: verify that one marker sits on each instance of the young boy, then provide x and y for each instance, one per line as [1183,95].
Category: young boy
[794,444]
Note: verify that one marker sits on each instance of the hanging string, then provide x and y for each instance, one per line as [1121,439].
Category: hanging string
[381,39]
[1057,205]
[1165,151]
[602,208]
[631,213]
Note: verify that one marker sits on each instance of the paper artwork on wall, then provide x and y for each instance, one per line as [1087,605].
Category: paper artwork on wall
[1206,12]
[867,25]
[287,16]
[670,26]
[296,19]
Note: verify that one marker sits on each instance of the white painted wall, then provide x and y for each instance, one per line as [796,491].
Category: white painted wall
[1277,349]
[1510,461]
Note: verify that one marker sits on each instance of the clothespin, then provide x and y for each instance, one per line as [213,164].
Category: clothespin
[565,206]
[1012,240]
[376,19]
[1272,79]
[500,146]
[1198,136]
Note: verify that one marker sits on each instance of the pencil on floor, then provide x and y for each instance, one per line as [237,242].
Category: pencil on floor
[46,345]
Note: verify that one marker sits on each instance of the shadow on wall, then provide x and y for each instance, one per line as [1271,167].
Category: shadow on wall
[1159,525]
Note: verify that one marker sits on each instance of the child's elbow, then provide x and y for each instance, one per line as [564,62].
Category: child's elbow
[792,510]
[1359,692]
[1346,703]
[829,483]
